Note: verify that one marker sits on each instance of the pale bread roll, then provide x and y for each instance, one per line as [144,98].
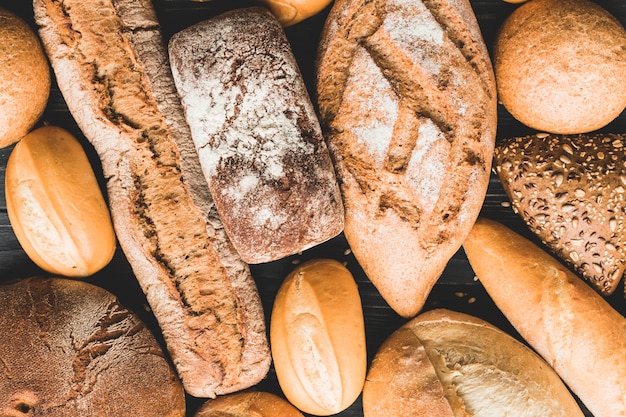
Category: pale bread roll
[575,330]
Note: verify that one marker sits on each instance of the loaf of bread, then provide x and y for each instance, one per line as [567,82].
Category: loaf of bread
[448,364]
[291,12]
[257,134]
[70,348]
[574,328]
[570,191]
[24,78]
[112,69]
[407,100]
[55,204]
[317,334]
[248,404]
[560,65]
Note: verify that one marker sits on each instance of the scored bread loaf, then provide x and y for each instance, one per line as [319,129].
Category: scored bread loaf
[570,190]
[444,363]
[70,348]
[112,69]
[407,102]
[257,134]
[575,330]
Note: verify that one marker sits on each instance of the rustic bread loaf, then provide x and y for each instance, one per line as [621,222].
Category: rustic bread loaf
[408,103]
[70,348]
[444,363]
[248,404]
[575,330]
[291,12]
[560,65]
[570,191]
[24,78]
[112,69]
[257,135]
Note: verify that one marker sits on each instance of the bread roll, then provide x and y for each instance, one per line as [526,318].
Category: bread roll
[248,404]
[291,12]
[24,78]
[560,65]
[257,135]
[70,348]
[575,330]
[317,334]
[55,205]
[443,363]
[112,68]
[408,104]
[570,190]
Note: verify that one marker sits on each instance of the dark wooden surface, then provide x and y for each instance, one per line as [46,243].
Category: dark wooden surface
[457,289]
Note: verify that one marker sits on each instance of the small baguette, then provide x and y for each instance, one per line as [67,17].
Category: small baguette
[578,333]
[112,69]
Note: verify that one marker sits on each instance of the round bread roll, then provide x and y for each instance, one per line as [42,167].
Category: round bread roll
[445,364]
[69,348]
[248,404]
[317,338]
[560,66]
[24,78]
[290,12]
[55,204]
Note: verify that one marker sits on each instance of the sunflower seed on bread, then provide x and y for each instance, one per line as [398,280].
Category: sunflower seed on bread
[571,191]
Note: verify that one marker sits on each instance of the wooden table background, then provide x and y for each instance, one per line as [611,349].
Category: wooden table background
[457,289]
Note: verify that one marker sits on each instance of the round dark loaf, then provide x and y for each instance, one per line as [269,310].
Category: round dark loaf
[407,99]
[69,348]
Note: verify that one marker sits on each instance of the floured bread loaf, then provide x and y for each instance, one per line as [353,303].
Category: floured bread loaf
[443,363]
[69,348]
[570,191]
[257,135]
[407,100]
[112,68]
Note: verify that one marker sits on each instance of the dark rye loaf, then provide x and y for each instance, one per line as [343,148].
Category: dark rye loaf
[111,66]
[407,99]
[257,134]
[70,348]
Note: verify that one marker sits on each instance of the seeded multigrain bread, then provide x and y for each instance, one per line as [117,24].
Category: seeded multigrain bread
[70,348]
[112,69]
[407,100]
[570,190]
[257,134]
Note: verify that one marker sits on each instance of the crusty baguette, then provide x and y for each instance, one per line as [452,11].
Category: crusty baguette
[578,333]
[407,101]
[111,66]
[70,348]
[444,363]
[257,134]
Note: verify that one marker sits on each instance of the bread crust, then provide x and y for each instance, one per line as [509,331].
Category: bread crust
[570,325]
[407,100]
[70,348]
[111,66]
[248,404]
[257,134]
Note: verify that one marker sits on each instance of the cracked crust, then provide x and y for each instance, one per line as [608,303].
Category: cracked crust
[111,66]
[407,100]
[87,354]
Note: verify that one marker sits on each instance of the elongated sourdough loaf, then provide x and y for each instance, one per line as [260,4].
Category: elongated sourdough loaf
[575,330]
[111,66]
[443,363]
[407,101]
[257,134]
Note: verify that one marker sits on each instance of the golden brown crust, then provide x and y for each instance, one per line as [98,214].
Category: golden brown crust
[248,404]
[570,190]
[24,78]
[86,355]
[570,325]
[112,69]
[560,66]
[407,99]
